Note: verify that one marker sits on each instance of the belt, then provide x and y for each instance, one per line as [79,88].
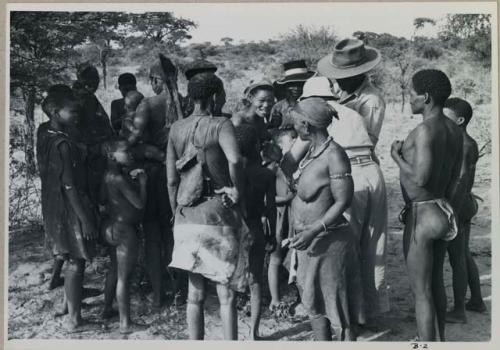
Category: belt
[361,160]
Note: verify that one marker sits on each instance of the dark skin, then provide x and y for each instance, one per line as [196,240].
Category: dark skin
[320,199]
[429,161]
[150,125]
[264,191]
[124,198]
[350,84]
[461,260]
[62,120]
[231,196]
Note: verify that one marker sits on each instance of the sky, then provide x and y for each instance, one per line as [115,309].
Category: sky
[264,21]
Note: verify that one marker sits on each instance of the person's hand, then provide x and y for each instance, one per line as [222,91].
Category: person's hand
[396,148]
[135,172]
[90,231]
[142,178]
[270,243]
[303,239]
[230,196]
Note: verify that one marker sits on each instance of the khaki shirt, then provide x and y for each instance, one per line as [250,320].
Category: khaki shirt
[350,131]
[367,100]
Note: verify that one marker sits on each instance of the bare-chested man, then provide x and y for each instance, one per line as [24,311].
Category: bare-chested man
[429,162]
[125,198]
[462,263]
[153,119]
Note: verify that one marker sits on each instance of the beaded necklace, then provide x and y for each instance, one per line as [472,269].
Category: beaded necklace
[308,158]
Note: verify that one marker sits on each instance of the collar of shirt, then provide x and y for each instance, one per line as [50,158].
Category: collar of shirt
[347,98]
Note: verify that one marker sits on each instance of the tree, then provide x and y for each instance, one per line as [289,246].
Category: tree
[227,41]
[162,27]
[472,30]
[105,30]
[42,47]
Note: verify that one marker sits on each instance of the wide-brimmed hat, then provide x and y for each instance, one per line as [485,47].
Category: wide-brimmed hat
[295,72]
[317,87]
[199,66]
[350,57]
[264,83]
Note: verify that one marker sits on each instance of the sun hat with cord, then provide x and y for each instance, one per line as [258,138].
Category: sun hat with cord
[317,87]
[295,72]
[350,57]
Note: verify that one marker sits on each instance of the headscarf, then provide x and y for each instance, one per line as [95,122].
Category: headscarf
[315,111]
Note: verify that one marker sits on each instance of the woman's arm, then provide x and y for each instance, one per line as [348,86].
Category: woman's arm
[84,215]
[229,145]
[172,174]
[292,158]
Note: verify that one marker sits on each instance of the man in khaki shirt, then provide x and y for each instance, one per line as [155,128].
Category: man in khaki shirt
[361,113]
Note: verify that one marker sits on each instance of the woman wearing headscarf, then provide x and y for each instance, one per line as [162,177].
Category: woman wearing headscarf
[327,263]
[211,240]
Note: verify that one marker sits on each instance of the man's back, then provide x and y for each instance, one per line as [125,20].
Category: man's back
[435,144]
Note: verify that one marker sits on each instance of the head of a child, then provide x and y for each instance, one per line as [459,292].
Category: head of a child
[285,139]
[248,142]
[61,106]
[458,110]
[132,100]
[271,155]
[117,152]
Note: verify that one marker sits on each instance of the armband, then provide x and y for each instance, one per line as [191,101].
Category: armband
[340,176]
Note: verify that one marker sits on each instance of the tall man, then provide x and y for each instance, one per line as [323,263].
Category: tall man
[153,119]
[349,64]
[429,161]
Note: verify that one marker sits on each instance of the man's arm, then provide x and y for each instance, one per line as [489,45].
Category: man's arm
[229,145]
[271,205]
[116,118]
[83,213]
[136,198]
[172,174]
[141,118]
[419,172]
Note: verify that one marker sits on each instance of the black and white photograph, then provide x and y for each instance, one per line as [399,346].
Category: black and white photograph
[251,172]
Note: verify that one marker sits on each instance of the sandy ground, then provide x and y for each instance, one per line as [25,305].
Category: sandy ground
[31,305]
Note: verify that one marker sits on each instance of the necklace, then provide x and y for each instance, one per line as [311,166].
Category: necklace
[308,158]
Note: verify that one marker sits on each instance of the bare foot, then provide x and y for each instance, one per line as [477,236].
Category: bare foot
[476,306]
[61,311]
[79,326]
[109,313]
[132,327]
[455,316]
[56,282]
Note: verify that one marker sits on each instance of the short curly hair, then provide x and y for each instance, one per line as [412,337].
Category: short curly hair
[434,82]
[247,139]
[57,96]
[204,85]
[461,108]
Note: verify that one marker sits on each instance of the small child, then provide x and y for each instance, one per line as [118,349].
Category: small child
[284,195]
[259,197]
[124,194]
[69,216]
[130,132]
[463,266]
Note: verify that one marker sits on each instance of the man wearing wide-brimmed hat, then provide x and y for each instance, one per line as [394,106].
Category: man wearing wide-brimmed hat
[296,73]
[348,64]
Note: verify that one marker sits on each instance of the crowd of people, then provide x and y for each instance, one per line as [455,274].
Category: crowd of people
[291,173]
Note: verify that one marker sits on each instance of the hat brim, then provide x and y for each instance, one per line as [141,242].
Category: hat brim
[327,69]
[295,78]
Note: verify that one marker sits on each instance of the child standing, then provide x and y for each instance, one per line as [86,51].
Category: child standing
[259,199]
[69,216]
[125,196]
